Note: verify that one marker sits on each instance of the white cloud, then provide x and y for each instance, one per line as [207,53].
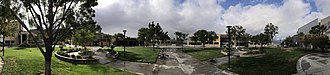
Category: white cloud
[323,6]
[192,15]
[134,14]
[288,17]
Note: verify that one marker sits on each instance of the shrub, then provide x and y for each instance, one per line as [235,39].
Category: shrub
[225,50]
[73,56]
[63,49]
[78,56]
[66,55]
[112,47]
[90,57]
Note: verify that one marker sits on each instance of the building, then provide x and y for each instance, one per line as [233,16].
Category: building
[220,42]
[307,27]
[326,22]
[17,38]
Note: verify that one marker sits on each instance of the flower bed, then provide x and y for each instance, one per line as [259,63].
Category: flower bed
[225,51]
[109,52]
[76,56]
[252,53]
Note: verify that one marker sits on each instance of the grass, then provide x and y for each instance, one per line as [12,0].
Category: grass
[204,53]
[138,54]
[277,62]
[29,61]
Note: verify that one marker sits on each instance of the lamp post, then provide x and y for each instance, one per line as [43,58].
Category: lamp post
[124,47]
[229,43]
[71,28]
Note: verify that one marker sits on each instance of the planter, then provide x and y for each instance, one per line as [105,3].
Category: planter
[252,53]
[226,53]
[115,55]
[74,60]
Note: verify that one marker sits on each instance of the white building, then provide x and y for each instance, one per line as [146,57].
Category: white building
[220,42]
[307,27]
[326,22]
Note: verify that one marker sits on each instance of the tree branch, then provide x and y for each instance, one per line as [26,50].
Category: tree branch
[25,27]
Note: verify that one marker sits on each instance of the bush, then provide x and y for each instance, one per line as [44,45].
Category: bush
[225,50]
[79,57]
[90,57]
[73,56]
[63,49]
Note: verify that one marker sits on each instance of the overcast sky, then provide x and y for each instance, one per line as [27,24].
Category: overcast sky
[189,16]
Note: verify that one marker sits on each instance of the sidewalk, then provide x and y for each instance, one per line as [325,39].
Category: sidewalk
[1,64]
[177,63]
[314,64]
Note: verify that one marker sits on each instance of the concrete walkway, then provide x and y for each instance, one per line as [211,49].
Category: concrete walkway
[1,64]
[314,64]
[177,63]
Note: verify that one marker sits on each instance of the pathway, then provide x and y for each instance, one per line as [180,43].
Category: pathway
[177,63]
[314,64]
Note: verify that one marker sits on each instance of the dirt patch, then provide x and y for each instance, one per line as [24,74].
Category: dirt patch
[305,65]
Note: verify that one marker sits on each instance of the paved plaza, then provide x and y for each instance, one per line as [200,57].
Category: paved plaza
[314,64]
[176,63]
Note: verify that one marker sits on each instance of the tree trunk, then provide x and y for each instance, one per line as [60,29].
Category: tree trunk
[3,46]
[48,58]
[10,41]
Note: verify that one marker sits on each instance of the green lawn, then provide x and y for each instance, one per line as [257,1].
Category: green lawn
[204,53]
[29,61]
[277,62]
[138,54]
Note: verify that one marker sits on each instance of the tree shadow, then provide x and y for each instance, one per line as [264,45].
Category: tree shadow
[129,56]
[200,49]
[19,48]
[99,68]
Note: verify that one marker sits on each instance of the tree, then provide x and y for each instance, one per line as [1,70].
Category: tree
[116,37]
[153,34]
[108,39]
[316,38]
[317,41]
[83,36]
[288,41]
[244,39]
[6,28]
[181,37]
[48,16]
[261,39]
[9,29]
[204,36]
[318,29]
[142,36]
[238,34]
[271,30]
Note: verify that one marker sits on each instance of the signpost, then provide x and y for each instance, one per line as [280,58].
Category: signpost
[229,46]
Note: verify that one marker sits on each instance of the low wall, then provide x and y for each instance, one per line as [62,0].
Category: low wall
[73,60]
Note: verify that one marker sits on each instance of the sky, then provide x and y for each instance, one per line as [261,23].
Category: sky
[188,16]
